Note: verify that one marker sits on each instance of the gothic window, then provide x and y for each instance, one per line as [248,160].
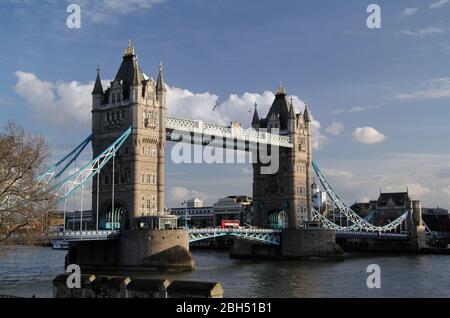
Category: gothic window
[148,204]
[113,97]
[153,202]
[143,202]
[153,179]
[118,97]
[143,177]
[154,151]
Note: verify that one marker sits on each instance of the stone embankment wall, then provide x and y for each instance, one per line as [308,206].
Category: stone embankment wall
[93,286]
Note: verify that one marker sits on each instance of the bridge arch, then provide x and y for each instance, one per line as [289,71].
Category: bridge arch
[277,219]
[264,236]
[114,220]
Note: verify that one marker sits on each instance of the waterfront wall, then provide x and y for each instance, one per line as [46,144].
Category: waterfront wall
[295,244]
[125,287]
[415,245]
[135,250]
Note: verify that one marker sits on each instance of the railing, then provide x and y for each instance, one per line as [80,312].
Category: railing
[264,236]
[233,230]
[199,127]
[373,235]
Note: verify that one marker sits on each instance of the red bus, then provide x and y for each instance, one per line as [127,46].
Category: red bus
[230,224]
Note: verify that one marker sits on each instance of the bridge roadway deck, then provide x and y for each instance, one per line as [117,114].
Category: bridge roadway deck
[207,233]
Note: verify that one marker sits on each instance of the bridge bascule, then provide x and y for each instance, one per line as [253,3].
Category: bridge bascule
[130,129]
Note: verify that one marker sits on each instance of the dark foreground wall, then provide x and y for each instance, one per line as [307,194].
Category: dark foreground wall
[92,286]
[295,244]
[135,250]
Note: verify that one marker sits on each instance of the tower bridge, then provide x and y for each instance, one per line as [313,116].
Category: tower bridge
[130,129]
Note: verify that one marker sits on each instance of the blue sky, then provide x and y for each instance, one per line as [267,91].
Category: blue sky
[381,96]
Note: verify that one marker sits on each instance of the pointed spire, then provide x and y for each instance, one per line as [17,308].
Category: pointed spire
[306,114]
[255,120]
[291,109]
[281,90]
[138,77]
[98,88]
[129,51]
[160,84]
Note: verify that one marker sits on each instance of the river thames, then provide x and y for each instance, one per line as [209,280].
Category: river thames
[27,271]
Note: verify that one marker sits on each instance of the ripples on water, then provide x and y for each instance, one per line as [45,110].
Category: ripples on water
[27,271]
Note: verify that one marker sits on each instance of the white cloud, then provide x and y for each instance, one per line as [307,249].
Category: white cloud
[435,88]
[417,190]
[438,4]
[63,103]
[335,129]
[178,194]
[337,173]
[446,190]
[368,135]
[355,109]
[427,31]
[410,11]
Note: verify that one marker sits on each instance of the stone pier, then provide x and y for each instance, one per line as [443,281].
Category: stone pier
[135,250]
[295,244]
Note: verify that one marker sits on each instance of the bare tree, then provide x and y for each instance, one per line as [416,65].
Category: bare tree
[23,201]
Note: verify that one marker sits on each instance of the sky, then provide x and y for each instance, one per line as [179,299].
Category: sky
[379,97]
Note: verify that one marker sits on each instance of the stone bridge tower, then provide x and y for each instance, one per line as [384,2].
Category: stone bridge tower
[283,199]
[132,99]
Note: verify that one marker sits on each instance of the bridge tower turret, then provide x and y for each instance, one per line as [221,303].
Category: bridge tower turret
[283,199]
[131,185]
[98,96]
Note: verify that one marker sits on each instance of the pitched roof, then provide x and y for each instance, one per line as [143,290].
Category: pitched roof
[98,88]
[255,120]
[129,72]
[306,114]
[280,107]
[160,85]
[398,199]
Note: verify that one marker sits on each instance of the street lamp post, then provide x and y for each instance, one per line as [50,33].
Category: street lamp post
[186,214]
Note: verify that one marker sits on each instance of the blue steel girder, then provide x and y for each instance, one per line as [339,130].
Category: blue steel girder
[53,173]
[269,237]
[359,224]
[71,184]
